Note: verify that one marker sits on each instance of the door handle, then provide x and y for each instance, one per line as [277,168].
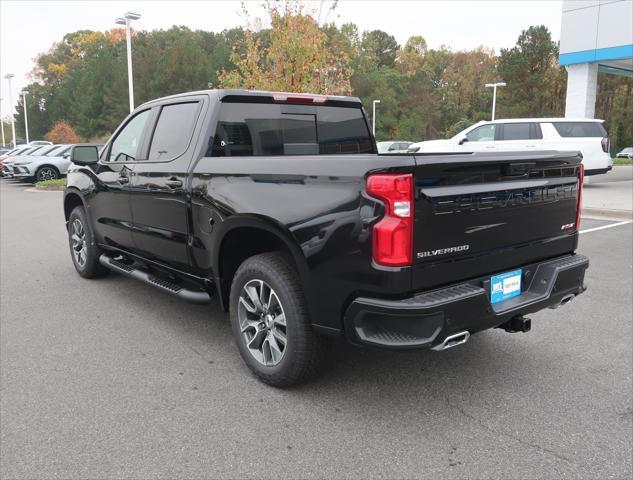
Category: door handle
[124,179]
[173,183]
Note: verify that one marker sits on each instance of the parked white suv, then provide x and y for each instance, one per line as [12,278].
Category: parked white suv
[583,134]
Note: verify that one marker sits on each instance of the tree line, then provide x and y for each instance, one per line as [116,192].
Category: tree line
[425,93]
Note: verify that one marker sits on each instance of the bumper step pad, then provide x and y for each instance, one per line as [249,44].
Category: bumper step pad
[424,319]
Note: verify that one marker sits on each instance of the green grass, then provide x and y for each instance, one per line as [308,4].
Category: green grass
[58,183]
[622,161]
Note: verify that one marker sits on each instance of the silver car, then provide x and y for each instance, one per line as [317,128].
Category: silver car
[20,155]
[626,153]
[48,164]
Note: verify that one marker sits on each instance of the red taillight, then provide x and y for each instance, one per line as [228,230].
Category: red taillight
[393,234]
[605,144]
[581,178]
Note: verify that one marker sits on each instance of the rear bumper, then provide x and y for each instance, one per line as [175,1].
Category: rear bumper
[426,319]
[598,171]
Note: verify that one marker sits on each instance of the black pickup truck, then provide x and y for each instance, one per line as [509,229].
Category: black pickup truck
[279,205]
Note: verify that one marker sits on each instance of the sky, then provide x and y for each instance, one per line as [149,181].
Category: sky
[28,28]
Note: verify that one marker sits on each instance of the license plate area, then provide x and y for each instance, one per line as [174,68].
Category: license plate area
[505,285]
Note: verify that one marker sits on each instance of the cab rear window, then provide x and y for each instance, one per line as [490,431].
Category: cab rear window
[580,129]
[259,129]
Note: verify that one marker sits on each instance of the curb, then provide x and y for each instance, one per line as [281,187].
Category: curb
[44,189]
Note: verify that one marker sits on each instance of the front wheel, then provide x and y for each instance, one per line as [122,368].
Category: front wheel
[46,173]
[270,321]
[83,249]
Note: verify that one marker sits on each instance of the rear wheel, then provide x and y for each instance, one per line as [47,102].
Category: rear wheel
[83,250]
[270,321]
[46,173]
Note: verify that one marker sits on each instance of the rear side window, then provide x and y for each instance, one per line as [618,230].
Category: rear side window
[516,131]
[257,129]
[173,131]
[580,129]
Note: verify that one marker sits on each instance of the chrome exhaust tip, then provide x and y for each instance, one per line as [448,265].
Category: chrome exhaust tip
[564,301]
[453,340]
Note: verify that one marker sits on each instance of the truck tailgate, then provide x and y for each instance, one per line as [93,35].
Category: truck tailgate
[478,214]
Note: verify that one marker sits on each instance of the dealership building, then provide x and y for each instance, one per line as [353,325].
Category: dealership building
[596,36]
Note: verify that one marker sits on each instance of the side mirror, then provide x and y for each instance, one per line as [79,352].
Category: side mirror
[84,154]
[66,155]
[463,140]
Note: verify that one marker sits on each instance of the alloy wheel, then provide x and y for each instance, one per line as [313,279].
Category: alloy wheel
[78,239]
[262,322]
[46,173]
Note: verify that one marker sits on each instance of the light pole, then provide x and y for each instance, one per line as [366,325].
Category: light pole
[2,124]
[9,76]
[126,20]
[373,117]
[494,94]
[26,117]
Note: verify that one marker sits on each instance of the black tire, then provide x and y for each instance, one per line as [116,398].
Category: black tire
[303,353]
[46,172]
[91,267]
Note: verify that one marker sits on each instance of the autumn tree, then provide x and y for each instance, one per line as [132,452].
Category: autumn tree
[380,46]
[297,59]
[62,132]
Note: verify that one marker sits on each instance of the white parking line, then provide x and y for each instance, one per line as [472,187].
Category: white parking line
[611,225]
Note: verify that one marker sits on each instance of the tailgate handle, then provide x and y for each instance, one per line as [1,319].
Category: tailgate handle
[517,169]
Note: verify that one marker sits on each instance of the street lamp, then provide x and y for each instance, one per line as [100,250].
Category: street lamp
[373,118]
[2,124]
[494,94]
[127,18]
[26,117]
[9,76]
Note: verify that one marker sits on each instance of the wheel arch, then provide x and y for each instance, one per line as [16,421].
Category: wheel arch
[244,237]
[72,199]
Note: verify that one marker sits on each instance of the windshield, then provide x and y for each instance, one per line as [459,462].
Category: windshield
[56,151]
[18,151]
[27,151]
[46,149]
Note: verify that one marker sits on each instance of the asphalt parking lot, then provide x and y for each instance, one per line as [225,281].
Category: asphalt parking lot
[113,379]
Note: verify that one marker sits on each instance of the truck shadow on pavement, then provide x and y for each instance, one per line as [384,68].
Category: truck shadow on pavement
[485,362]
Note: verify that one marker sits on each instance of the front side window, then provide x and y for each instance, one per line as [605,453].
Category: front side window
[126,144]
[516,131]
[485,133]
[249,129]
[173,131]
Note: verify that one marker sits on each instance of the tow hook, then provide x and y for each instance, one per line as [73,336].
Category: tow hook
[518,324]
